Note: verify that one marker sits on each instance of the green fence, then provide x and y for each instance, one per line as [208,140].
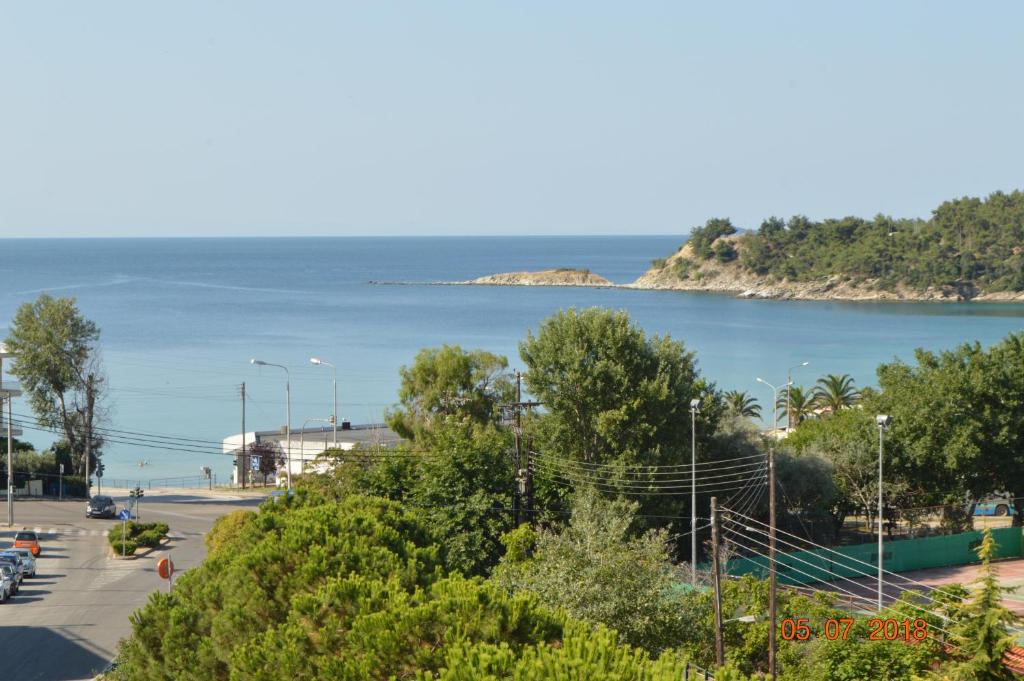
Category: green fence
[819,565]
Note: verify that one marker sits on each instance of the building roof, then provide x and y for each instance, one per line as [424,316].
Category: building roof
[356,434]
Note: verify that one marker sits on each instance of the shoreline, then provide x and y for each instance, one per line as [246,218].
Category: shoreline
[741,293]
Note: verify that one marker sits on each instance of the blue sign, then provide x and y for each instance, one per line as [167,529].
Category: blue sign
[125,514]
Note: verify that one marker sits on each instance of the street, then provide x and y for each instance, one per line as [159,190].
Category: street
[65,623]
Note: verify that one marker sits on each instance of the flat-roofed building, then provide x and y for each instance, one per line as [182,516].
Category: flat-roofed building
[309,443]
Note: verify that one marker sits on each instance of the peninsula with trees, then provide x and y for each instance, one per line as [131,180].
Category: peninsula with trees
[969,249]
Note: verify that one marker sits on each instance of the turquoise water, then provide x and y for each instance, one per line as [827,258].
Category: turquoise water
[180,319]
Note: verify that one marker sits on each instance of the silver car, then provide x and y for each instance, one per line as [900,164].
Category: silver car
[8,581]
[14,560]
[27,558]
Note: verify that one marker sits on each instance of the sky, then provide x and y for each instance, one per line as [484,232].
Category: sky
[218,118]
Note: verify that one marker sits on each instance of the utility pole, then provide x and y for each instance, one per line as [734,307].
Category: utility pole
[10,467]
[523,477]
[243,463]
[719,649]
[695,405]
[771,561]
[517,498]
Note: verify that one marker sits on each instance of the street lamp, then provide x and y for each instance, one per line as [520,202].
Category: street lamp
[775,402]
[288,407]
[302,441]
[695,405]
[789,382]
[334,374]
[883,422]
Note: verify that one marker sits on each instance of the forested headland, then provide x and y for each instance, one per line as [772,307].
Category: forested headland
[969,248]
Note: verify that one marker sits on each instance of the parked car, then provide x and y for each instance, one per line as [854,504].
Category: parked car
[15,562]
[27,539]
[100,507]
[30,560]
[9,570]
[7,582]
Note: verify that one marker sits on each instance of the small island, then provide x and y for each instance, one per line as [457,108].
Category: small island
[563,276]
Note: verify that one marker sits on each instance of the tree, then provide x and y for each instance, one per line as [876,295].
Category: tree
[741,403]
[269,458]
[849,442]
[598,571]
[449,380]
[724,251]
[958,421]
[314,589]
[799,402]
[464,486]
[835,392]
[56,359]
[983,624]
[611,393]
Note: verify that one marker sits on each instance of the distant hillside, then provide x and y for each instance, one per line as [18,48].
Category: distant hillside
[969,248]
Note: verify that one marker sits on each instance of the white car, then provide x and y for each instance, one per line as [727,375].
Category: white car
[7,582]
[30,560]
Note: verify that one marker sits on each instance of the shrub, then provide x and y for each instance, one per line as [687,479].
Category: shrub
[137,534]
[149,538]
[659,263]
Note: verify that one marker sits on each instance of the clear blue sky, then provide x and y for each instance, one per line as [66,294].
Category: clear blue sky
[279,118]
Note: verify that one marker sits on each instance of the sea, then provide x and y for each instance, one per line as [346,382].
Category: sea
[180,320]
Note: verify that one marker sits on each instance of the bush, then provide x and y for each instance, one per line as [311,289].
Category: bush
[136,535]
[227,529]
[114,537]
[659,263]
[724,251]
[149,538]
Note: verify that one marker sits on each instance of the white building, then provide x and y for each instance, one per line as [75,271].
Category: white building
[308,444]
[8,389]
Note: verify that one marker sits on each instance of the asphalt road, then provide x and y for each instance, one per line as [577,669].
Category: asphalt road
[64,624]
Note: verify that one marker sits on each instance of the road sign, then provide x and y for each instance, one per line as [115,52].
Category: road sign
[124,514]
[165,568]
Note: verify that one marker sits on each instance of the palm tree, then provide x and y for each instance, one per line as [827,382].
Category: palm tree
[835,392]
[801,404]
[740,403]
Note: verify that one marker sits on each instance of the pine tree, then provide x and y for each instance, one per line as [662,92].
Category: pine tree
[982,630]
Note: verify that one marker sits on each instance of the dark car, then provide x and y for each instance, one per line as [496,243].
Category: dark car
[100,507]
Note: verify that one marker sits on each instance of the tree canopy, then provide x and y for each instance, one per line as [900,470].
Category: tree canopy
[56,359]
[449,380]
[970,243]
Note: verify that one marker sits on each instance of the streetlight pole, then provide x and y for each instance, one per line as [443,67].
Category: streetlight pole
[288,409]
[789,383]
[302,439]
[695,405]
[883,422]
[334,380]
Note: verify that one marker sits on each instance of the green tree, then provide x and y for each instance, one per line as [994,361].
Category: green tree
[463,487]
[314,589]
[609,392]
[982,628]
[598,570]
[57,362]
[835,392]
[742,403]
[446,381]
[798,402]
